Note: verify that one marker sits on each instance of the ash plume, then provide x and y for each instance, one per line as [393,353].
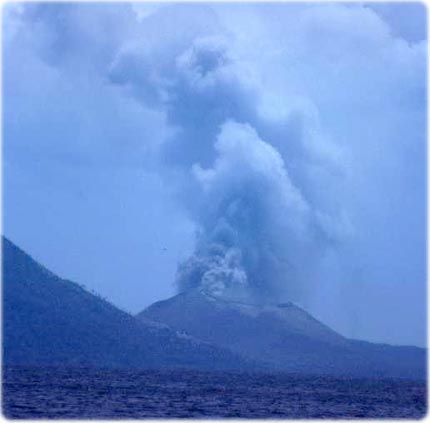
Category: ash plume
[244,178]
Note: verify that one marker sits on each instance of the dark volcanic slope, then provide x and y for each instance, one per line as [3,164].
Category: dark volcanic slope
[51,321]
[283,335]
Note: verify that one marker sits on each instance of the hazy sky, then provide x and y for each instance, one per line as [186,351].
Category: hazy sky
[279,147]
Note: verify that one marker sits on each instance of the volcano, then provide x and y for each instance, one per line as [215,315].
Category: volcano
[283,337]
[50,321]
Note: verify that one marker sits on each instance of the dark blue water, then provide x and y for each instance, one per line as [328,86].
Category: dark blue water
[55,393]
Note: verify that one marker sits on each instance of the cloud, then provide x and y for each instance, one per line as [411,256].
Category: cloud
[72,114]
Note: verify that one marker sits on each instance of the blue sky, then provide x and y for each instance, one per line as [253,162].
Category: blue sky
[275,149]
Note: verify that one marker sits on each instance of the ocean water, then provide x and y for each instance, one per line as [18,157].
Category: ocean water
[88,393]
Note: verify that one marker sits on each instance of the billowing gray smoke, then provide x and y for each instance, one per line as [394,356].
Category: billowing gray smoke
[254,222]
[246,179]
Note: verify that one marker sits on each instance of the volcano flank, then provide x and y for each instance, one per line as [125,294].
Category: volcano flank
[283,336]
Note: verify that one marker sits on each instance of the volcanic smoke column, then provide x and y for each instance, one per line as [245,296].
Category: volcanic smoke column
[242,177]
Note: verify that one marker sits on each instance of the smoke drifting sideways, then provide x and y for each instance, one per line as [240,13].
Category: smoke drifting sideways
[244,178]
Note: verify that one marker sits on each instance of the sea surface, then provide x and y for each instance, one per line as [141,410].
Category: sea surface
[88,393]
